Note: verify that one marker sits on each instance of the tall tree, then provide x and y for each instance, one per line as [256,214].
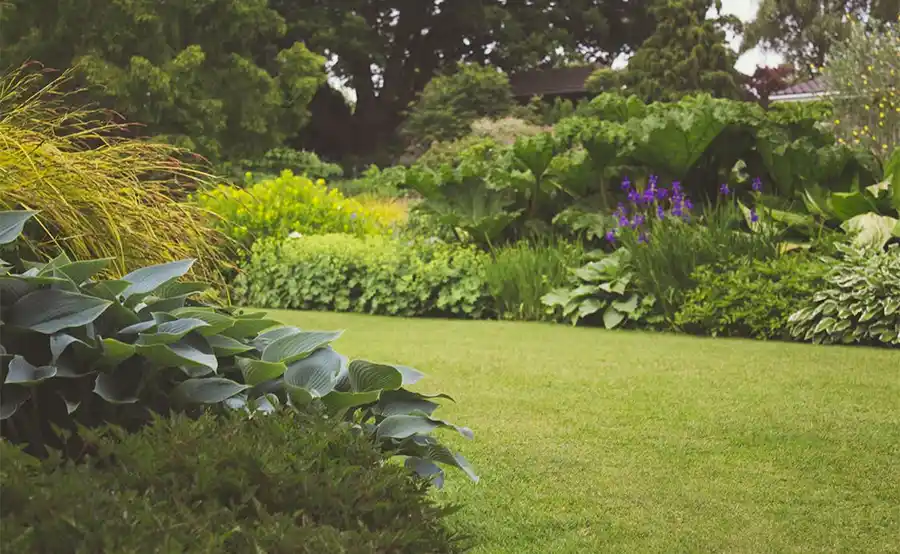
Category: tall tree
[805,30]
[213,75]
[687,53]
[387,50]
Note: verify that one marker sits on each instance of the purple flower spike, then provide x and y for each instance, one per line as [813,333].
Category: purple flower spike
[688,205]
[652,181]
[642,238]
[633,196]
[649,195]
[756,184]
[611,236]
[623,220]
[754,217]
[677,211]
[724,190]
[626,184]
[661,194]
[660,213]
[676,187]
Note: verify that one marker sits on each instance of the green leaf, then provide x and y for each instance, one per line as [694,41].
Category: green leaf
[171,331]
[338,402]
[21,372]
[367,376]
[11,398]
[115,352]
[265,339]
[226,346]
[435,452]
[589,306]
[245,327]
[411,376]
[110,290]
[294,347]
[138,327]
[119,386]
[627,306]
[216,322]
[317,373]
[404,402]
[51,311]
[206,391]
[79,272]
[612,318]
[403,426]
[12,223]
[59,342]
[192,350]
[258,371]
[148,279]
[847,205]
[426,469]
[870,229]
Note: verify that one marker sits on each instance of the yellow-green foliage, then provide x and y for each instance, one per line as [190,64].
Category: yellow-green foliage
[98,194]
[290,203]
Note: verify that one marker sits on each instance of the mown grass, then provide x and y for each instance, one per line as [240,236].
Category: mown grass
[595,441]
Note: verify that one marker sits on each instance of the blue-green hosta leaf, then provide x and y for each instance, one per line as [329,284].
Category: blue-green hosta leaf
[258,371]
[216,321]
[590,306]
[435,452]
[51,311]
[426,469]
[265,339]
[171,331]
[871,229]
[211,390]
[71,398]
[152,303]
[13,288]
[317,373]
[11,224]
[294,347]
[176,289]
[148,279]
[11,398]
[21,372]
[556,297]
[79,272]
[367,376]
[226,346]
[245,327]
[612,318]
[626,306]
[192,350]
[59,342]
[115,352]
[338,402]
[109,289]
[404,402]
[119,386]
[411,375]
[403,426]
[138,327]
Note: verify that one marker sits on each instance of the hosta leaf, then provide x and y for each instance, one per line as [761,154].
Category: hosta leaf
[226,346]
[245,327]
[119,386]
[410,375]
[439,453]
[206,391]
[404,402]
[148,279]
[403,426]
[175,289]
[426,469]
[294,347]
[79,272]
[216,322]
[590,306]
[191,350]
[367,376]
[59,342]
[258,371]
[110,290]
[11,398]
[21,372]
[316,373]
[626,306]
[138,327]
[115,352]
[70,398]
[51,311]
[556,297]
[869,313]
[824,324]
[171,331]
[337,401]
[11,224]
[265,339]
[612,318]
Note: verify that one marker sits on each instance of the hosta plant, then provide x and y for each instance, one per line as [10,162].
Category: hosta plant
[860,302]
[604,286]
[75,349]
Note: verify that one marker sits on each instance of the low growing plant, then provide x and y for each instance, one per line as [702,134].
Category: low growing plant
[286,482]
[859,303]
[78,350]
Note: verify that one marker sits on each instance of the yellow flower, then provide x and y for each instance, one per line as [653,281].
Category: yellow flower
[320,182]
[884,146]
[837,121]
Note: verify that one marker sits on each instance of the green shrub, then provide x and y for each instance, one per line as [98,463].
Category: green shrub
[276,160]
[521,274]
[749,298]
[280,483]
[286,204]
[374,181]
[859,303]
[78,351]
[604,288]
[375,275]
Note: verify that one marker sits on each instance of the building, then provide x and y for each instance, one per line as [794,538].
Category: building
[816,89]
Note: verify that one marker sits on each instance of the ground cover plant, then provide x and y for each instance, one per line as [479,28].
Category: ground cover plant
[648,442]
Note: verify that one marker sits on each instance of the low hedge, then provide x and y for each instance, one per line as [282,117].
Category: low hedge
[375,275]
[229,484]
[750,298]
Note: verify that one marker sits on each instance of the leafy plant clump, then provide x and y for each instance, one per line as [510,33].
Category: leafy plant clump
[375,275]
[76,350]
[859,303]
[605,286]
[286,482]
[749,298]
[291,204]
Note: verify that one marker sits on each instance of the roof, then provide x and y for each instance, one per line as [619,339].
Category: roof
[807,90]
[560,80]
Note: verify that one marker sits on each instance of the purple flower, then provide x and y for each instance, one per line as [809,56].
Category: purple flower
[623,220]
[753,215]
[676,211]
[661,194]
[626,184]
[724,190]
[633,196]
[688,205]
[638,220]
[652,181]
[649,195]
[660,214]
[611,236]
[353,216]
[676,187]
[642,238]
[756,184]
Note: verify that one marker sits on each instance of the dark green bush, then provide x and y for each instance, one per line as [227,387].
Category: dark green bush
[749,298]
[375,275]
[283,483]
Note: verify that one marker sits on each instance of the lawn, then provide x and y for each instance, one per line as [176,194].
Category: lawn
[594,441]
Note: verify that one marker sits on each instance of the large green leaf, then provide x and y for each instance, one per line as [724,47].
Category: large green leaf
[206,391]
[258,371]
[109,290]
[121,385]
[59,342]
[148,279]
[192,350]
[367,376]
[871,229]
[171,331]
[847,205]
[265,339]
[12,223]
[403,426]
[216,322]
[21,372]
[435,452]
[227,346]
[404,402]
[115,352]
[296,346]
[612,318]
[337,401]
[79,272]
[317,373]
[51,311]
[245,327]
[11,398]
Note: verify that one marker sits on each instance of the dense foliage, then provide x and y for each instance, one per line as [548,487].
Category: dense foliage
[291,204]
[100,194]
[281,483]
[749,298]
[277,160]
[375,275]
[80,351]
[859,303]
